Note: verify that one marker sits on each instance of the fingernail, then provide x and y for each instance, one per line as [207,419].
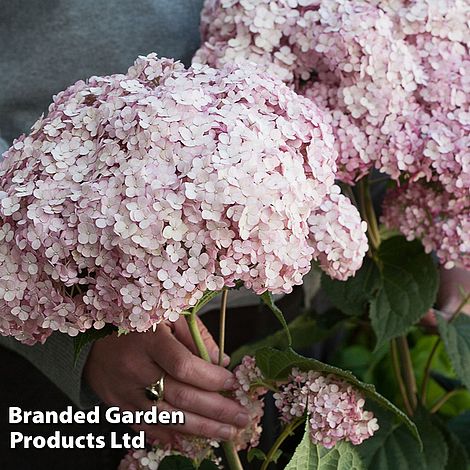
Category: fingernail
[226,432]
[229,384]
[242,419]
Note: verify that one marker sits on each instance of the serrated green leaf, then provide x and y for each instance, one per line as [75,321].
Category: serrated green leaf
[268,300]
[456,338]
[435,447]
[304,330]
[277,365]
[408,288]
[391,448]
[308,456]
[82,339]
[353,295]
[460,426]
[457,455]
[176,462]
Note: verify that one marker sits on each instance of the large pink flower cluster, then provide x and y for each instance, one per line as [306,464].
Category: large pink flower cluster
[335,410]
[145,190]
[439,219]
[393,74]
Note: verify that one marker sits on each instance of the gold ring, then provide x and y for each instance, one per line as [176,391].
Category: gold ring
[156,390]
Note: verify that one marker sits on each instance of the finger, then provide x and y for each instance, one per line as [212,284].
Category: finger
[180,363]
[157,434]
[194,424]
[207,404]
[182,333]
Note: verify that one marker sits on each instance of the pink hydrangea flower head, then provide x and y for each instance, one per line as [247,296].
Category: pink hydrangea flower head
[391,74]
[139,192]
[335,411]
[439,219]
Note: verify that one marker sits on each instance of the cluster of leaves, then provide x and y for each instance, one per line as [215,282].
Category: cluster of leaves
[395,289]
[391,293]
[387,298]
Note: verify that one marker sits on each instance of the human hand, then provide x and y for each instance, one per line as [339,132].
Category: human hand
[119,368]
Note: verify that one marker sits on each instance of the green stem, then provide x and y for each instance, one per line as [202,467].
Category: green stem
[288,430]
[408,373]
[401,383]
[427,371]
[230,453]
[427,368]
[436,407]
[197,338]
[223,310]
[368,214]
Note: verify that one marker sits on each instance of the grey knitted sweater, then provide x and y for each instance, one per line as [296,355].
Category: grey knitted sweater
[47,45]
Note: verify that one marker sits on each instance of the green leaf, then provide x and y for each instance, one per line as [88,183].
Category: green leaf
[352,296]
[268,300]
[442,374]
[391,448]
[309,456]
[436,451]
[82,339]
[356,358]
[176,462]
[255,453]
[456,337]
[408,290]
[277,365]
[458,457]
[304,330]
[460,426]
